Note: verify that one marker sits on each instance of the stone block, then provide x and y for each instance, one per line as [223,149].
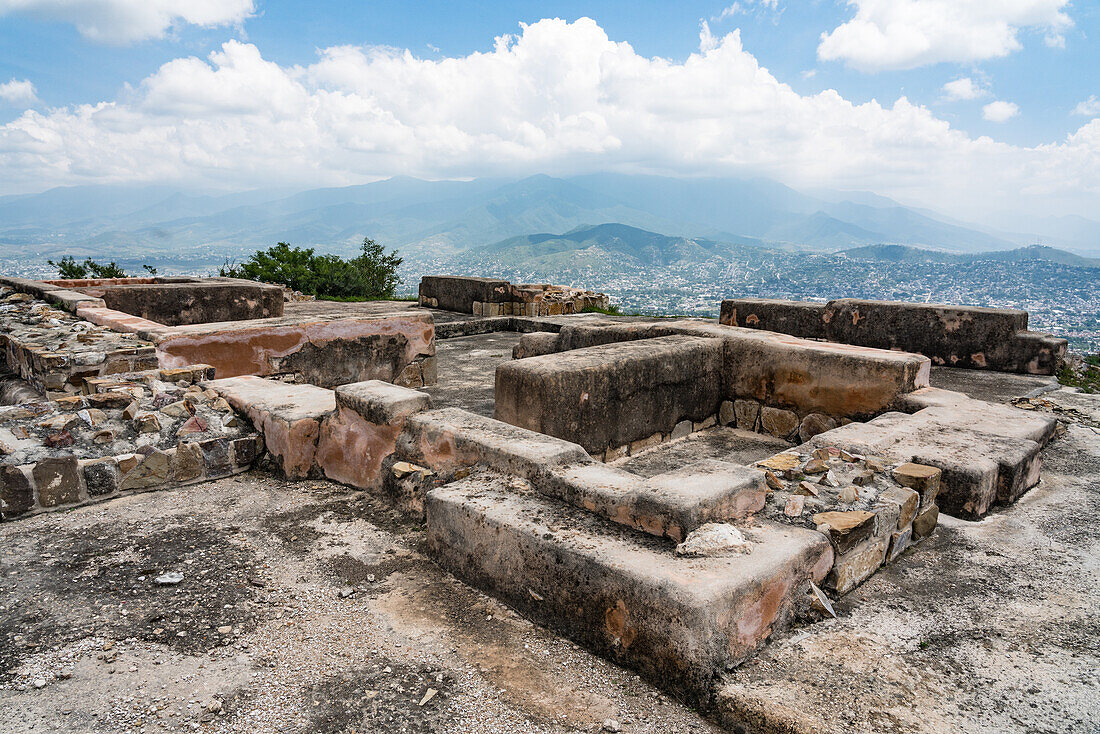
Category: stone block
[846,529]
[380,402]
[614,394]
[215,457]
[797,318]
[57,481]
[153,471]
[16,491]
[777,422]
[907,501]
[187,464]
[747,413]
[246,450]
[680,621]
[681,430]
[726,414]
[813,424]
[899,542]
[857,564]
[925,522]
[455,293]
[101,476]
[644,444]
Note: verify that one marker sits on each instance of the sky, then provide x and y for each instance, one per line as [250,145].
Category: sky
[976,108]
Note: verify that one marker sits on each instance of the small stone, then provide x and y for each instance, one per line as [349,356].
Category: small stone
[848,495]
[819,602]
[780,462]
[874,465]
[714,539]
[169,579]
[815,466]
[813,424]
[726,414]
[821,454]
[428,696]
[681,430]
[795,505]
[59,440]
[178,409]
[923,479]
[224,630]
[747,414]
[777,422]
[194,424]
[773,481]
[147,423]
[829,480]
[346,592]
[110,399]
[130,411]
[612,725]
[850,458]
[807,489]
[39,682]
[222,405]
[864,478]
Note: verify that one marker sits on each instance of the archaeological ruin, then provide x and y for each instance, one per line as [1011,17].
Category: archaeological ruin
[670,493]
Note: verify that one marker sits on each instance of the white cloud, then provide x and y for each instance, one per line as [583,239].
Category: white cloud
[964,88]
[747,7]
[558,98]
[125,21]
[1089,107]
[18,93]
[903,34]
[1000,111]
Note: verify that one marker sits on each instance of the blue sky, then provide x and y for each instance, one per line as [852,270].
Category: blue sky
[1030,65]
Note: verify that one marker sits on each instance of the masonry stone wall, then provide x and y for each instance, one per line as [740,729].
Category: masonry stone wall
[956,336]
[493,297]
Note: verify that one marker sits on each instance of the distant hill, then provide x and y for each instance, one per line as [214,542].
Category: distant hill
[905,254]
[434,218]
[602,245]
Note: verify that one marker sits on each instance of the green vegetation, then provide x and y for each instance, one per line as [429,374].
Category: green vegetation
[611,310]
[370,276]
[1081,372]
[70,269]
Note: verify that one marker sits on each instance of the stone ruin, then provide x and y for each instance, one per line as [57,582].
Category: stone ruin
[679,574]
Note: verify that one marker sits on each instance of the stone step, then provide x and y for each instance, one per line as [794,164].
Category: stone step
[679,621]
[948,407]
[289,416]
[670,505]
[979,469]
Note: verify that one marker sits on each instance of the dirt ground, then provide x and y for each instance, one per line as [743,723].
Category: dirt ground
[308,607]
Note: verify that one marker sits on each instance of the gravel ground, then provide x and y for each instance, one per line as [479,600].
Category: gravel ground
[295,614]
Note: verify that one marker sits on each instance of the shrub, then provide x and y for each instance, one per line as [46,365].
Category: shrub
[370,276]
[70,269]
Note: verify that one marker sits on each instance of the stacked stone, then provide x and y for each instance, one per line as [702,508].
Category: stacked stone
[870,511]
[55,351]
[129,432]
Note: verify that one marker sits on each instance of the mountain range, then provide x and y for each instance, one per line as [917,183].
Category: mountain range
[425,219]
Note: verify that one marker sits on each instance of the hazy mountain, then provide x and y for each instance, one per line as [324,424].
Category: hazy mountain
[442,217]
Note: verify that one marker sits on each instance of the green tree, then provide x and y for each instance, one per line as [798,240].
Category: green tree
[372,275]
[70,269]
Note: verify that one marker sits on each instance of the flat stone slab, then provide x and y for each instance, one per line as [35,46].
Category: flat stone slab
[955,408]
[679,621]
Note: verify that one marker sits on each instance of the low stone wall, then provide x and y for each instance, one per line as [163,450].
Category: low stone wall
[181,301]
[492,297]
[956,336]
[586,389]
[55,352]
[325,351]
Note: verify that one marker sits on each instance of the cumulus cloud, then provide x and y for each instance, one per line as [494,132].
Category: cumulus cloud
[1000,111]
[903,34]
[18,93]
[558,98]
[125,21]
[1089,107]
[963,89]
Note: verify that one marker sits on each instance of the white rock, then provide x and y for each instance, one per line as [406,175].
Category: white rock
[714,539]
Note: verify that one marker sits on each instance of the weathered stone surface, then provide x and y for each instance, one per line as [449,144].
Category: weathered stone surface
[899,542]
[907,501]
[321,351]
[607,396]
[101,476]
[153,471]
[187,464]
[924,479]
[712,540]
[16,491]
[455,293]
[925,522]
[681,430]
[813,424]
[671,504]
[846,529]
[381,402]
[678,620]
[798,318]
[147,423]
[644,444]
[777,422]
[215,456]
[245,450]
[175,301]
[726,413]
[58,481]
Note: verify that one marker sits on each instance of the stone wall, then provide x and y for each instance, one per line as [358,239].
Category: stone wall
[956,336]
[492,297]
[179,301]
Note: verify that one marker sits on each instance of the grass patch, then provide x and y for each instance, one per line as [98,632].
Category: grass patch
[1082,373]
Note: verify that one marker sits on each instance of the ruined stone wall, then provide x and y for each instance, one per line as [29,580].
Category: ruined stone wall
[491,297]
[179,301]
[956,336]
